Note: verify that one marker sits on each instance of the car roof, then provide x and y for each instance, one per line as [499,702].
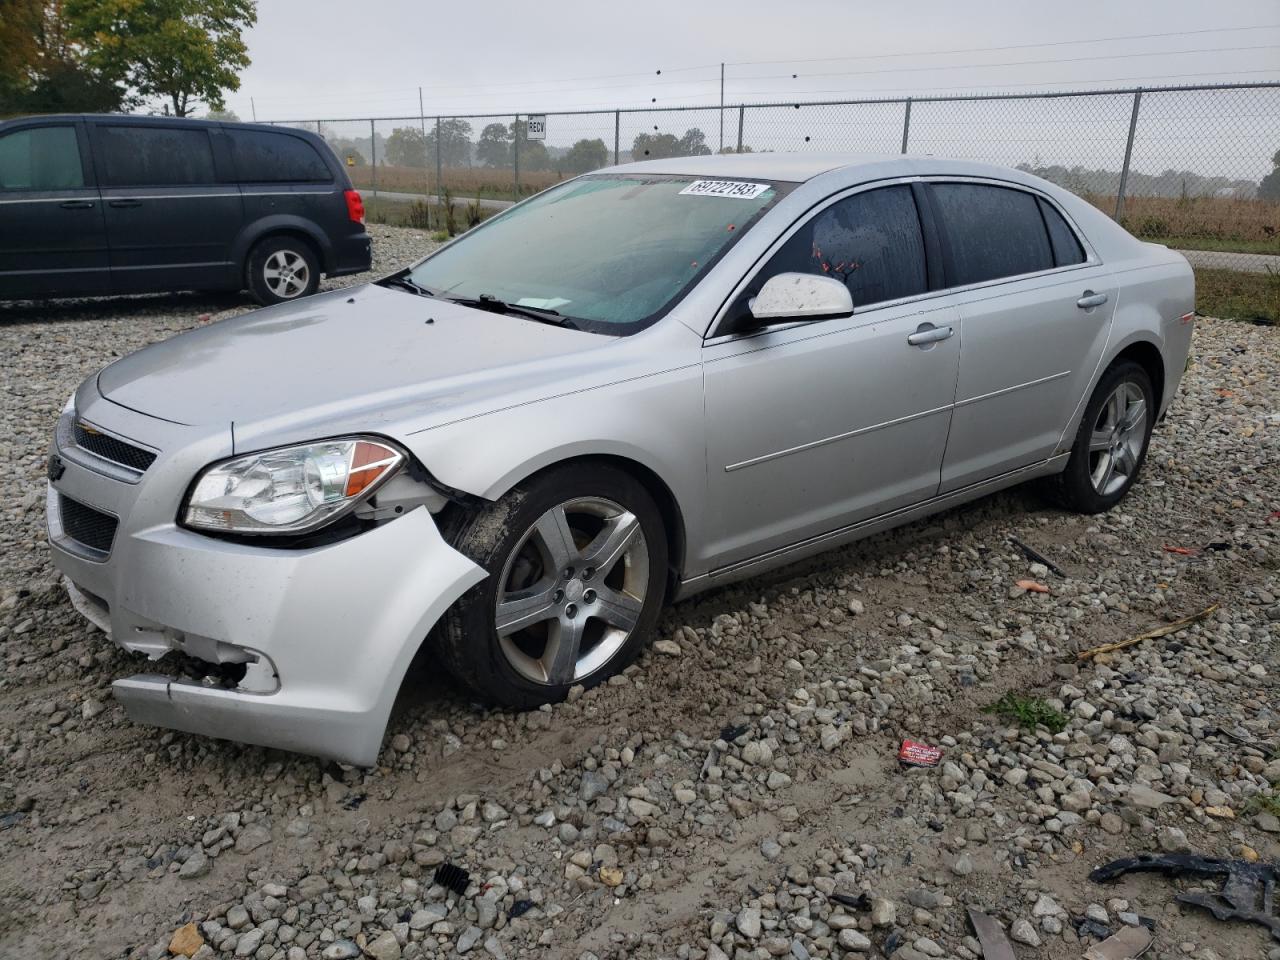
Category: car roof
[152,120]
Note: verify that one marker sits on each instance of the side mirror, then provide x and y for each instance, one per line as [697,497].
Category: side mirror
[800,296]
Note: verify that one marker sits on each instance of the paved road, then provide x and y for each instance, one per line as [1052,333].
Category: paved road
[1248,262]
[485,202]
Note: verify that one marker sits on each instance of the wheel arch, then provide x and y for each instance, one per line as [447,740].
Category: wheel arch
[1146,355]
[283,226]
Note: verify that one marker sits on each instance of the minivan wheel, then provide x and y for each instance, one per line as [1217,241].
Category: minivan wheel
[577,564]
[1111,443]
[282,269]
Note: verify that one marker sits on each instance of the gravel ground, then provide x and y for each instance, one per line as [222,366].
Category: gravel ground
[710,802]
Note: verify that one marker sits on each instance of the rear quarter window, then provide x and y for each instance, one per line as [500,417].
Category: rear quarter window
[1066,246]
[136,156]
[264,157]
[993,231]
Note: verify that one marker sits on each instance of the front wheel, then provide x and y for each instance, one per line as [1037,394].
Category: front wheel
[1111,444]
[577,562]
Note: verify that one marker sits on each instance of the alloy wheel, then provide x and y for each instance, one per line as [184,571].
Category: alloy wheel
[286,273]
[572,591]
[1115,445]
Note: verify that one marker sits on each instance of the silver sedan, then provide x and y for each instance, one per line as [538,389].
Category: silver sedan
[642,383]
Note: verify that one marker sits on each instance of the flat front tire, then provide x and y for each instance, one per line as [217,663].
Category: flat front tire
[577,564]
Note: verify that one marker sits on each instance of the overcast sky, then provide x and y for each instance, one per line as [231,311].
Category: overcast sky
[336,59]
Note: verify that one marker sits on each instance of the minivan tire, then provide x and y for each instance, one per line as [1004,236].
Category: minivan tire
[596,503]
[1076,488]
[281,269]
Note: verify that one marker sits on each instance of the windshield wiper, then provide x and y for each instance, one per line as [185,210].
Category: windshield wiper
[487,301]
[404,283]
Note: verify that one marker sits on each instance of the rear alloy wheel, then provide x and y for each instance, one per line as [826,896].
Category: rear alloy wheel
[283,269]
[575,586]
[1111,444]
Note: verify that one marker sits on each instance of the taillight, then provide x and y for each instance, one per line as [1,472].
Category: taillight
[355,206]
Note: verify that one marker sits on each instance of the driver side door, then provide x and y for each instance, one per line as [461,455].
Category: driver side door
[813,426]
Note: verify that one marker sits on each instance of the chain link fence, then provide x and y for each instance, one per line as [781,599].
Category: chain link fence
[1193,167]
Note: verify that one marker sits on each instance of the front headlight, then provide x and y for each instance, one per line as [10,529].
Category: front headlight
[290,490]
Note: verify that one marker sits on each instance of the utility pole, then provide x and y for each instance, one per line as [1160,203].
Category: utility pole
[422,123]
[254,107]
[722,108]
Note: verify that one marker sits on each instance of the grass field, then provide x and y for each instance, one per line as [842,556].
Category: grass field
[1201,223]
[1238,295]
[490,183]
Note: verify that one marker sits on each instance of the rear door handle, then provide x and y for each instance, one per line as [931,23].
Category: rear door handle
[76,205]
[126,202]
[1091,299]
[927,333]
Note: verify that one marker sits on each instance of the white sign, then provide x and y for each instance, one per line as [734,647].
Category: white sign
[737,189]
[536,126]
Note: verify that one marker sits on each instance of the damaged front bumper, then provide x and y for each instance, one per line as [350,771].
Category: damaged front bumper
[319,638]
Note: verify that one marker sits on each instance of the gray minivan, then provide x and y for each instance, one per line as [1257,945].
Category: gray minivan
[95,205]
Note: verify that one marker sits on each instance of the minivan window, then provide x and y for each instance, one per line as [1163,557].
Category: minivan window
[264,157]
[871,242]
[136,156]
[1066,247]
[40,158]
[993,231]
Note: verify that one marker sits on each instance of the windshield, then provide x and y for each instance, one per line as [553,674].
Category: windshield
[611,253]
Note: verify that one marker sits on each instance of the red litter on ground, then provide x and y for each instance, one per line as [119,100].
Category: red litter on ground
[919,754]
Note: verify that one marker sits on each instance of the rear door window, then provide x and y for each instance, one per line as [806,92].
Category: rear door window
[870,241]
[265,157]
[135,156]
[41,158]
[994,232]
[1066,246]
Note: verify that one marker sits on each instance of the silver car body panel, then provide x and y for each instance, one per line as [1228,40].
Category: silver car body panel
[771,445]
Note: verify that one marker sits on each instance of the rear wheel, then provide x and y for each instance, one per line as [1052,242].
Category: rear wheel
[577,562]
[281,269]
[1111,443]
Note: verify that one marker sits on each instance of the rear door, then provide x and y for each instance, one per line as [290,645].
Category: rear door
[1036,309]
[53,239]
[282,174]
[172,212]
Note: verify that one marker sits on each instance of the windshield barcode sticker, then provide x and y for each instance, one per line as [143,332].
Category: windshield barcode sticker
[737,189]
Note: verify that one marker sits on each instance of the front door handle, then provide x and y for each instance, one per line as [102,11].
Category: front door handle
[1091,299]
[927,333]
[77,205]
[126,202]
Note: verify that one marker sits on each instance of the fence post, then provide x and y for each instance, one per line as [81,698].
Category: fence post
[439,170]
[617,130]
[373,163]
[515,153]
[741,110]
[906,125]
[1128,153]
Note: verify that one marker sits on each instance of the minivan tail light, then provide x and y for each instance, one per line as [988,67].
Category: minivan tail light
[355,206]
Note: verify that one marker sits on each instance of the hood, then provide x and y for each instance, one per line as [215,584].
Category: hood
[339,352]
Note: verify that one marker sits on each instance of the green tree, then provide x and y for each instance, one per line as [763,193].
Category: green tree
[493,149]
[226,116]
[44,69]
[694,144]
[1269,187]
[584,156]
[659,146]
[407,147]
[455,142]
[184,51]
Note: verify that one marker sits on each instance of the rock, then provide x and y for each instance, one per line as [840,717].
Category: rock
[470,937]
[340,950]
[1023,932]
[237,917]
[90,709]
[593,785]
[401,743]
[611,876]
[1173,840]
[748,922]
[186,940]
[1145,798]
[963,865]
[249,942]
[252,837]
[667,647]
[770,849]
[383,947]
[857,607]
[884,913]
[428,916]
[196,865]
[851,939]
[1046,906]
